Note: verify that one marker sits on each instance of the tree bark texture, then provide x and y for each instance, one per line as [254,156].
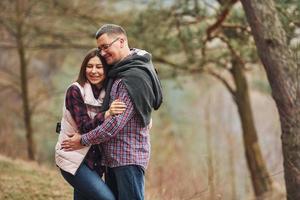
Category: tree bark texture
[283,75]
[261,180]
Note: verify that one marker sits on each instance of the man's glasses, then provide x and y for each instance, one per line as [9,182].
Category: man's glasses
[104,47]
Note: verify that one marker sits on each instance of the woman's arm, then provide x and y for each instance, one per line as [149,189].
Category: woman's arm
[76,106]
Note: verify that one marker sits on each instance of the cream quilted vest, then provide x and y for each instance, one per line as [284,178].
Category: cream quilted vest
[70,161]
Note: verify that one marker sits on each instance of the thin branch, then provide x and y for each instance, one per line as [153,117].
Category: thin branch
[168,62]
[199,70]
[51,46]
[232,50]
[223,80]
[194,18]
[7,27]
[210,6]
[245,29]
[76,12]
[9,86]
[37,100]
[7,46]
[181,39]
[204,42]
[221,17]
[61,46]
[32,4]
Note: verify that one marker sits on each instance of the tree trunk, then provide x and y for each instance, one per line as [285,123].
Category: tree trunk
[232,175]
[261,180]
[210,164]
[283,75]
[24,82]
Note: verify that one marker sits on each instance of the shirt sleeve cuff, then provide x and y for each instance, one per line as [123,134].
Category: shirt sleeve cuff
[84,141]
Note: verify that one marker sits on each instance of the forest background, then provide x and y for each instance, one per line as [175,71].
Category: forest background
[218,132]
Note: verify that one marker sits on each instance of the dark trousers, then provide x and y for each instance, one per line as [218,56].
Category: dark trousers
[126,182]
[88,185]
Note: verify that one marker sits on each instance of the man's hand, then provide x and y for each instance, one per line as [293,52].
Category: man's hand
[72,143]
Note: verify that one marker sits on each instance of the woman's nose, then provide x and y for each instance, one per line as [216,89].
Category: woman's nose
[94,69]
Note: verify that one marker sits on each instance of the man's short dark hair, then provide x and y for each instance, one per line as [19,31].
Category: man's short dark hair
[110,29]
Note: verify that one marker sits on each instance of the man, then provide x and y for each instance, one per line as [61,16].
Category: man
[125,137]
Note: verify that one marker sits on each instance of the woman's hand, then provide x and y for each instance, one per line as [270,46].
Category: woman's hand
[72,143]
[116,107]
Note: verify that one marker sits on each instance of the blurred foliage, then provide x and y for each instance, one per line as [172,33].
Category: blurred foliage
[289,12]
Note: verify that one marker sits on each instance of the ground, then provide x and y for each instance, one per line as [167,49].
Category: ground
[20,180]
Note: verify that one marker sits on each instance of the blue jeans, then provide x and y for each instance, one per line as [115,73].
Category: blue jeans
[88,185]
[126,182]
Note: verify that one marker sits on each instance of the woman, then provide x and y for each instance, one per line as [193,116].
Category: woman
[82,113]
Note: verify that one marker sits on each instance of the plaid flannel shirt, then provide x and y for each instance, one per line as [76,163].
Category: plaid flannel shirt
[124,139]
[76,106]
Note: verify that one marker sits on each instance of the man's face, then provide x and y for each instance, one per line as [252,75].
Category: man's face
[110,48]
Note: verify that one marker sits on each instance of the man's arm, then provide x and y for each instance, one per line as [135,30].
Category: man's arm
[111,126]
[108,129]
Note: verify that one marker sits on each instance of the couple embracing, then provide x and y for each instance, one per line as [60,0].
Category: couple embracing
[106,120]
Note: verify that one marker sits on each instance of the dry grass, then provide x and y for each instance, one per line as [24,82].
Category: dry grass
[20,180]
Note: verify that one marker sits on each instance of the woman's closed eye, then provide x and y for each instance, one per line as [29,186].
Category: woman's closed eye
[98,66]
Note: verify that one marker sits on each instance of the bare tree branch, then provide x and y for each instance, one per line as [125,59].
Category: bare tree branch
[245,29]
[168,62]
[77,12]
[201,69]
[7,26]
[7,46]
[232,50]
[223,80]
[221,17]
[9,86]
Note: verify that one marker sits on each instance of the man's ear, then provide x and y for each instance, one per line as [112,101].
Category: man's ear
[122,42]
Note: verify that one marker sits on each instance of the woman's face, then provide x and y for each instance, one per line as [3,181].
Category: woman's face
[94,71]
